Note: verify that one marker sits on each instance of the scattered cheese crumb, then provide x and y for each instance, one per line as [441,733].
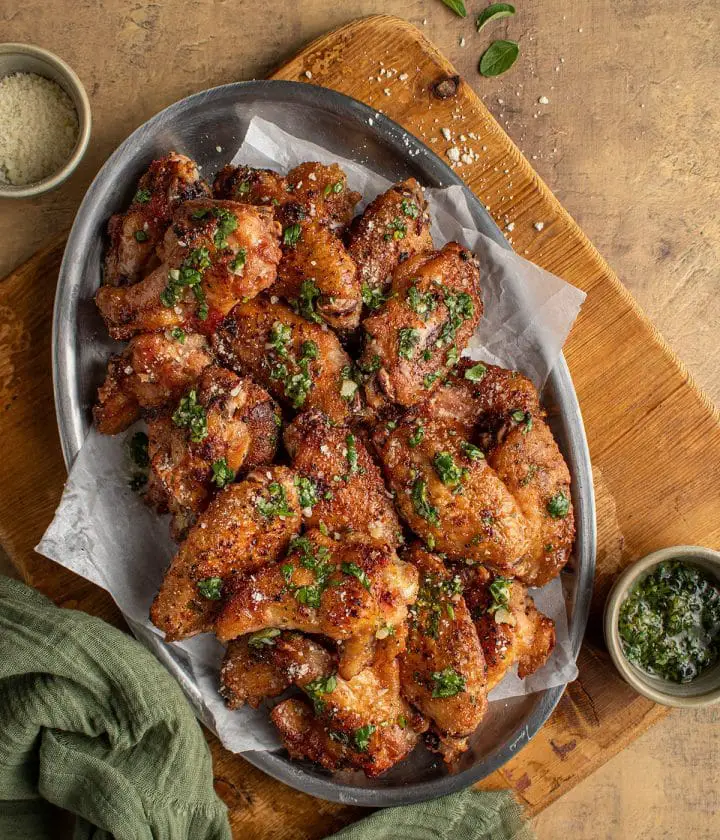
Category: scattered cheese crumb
[308,74]
[403,77]
[386,91]
[510,227]
[462,42]
[454,154]
[445,133]
[544,100]
[539,225]
[218,148]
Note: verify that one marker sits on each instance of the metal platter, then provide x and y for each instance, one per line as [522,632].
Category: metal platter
[196,126]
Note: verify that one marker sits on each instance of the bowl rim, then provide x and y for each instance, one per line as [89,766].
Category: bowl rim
[72,423]
[81,102]
[620,589]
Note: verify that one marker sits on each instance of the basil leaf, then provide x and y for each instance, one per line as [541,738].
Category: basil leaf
[494,11]
[499,57]
[457,6]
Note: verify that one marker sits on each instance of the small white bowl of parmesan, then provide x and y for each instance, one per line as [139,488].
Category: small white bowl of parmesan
[45,117]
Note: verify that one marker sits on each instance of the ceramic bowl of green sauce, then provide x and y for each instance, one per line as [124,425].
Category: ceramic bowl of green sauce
[662,626]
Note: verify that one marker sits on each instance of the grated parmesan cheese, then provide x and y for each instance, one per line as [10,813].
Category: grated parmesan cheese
[39,128]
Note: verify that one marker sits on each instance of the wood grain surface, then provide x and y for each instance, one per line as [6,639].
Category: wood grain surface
[634,396]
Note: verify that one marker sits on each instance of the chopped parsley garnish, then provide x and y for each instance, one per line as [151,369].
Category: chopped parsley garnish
[431,378]
[416,438]
[189,275]
[307,492]
[305,303]
[423,303]
[287,570]
[243,188]
[142,196]
[355,570]
[226,224]
[352,453]
[276,503]
[210,588]
[476,372]
[237,263]
[141,236]
[408,339]
[422,506]
[291,235]
[192,416]
[372,296]
[368,368]
[138,448]
[263,638]
[280,336]
[460,308]
[337,187]
[532,471]
[315,559]
[474,453]
[222,474]
[524,417]
[500,590]
[296,386]
[396,229]
[362,737]
[409,208]
[320,686]
[435,596]
[558,506]
[447,470]
[447,683]
[178,334]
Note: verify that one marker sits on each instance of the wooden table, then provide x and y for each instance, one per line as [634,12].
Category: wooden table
[627,138]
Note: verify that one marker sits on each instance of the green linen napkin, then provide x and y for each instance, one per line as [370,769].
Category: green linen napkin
[92,723]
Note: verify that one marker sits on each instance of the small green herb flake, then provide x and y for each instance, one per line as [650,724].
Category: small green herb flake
[222,474]
[307,492]
[422,303]
[291,235]
[352,453]
[500,591]
[138,448]
[495,11]
[558,506]
[210,588]
[447,683]
[362,736]
[178,334]
[263,638]
[396,229]
[142,196]
[422,506]
[457,6]
[446,468]
[474,453]
[430,379]
[309,293]
[280,336]
[408,339]
[498,58]
[416,438]
[237,263]
[275,503]
[355,570]
[192,416]
[524,418]
[372,296]
[317,688]
[476,372]
[226,224]
[141,236]
[409,208]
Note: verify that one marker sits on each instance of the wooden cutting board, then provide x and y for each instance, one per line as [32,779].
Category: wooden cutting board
[654,437]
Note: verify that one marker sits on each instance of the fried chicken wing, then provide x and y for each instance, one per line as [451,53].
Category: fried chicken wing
[393,227]
[509,625]
[346,487]
[346,590]
[215,254]
[222,427]
[153,371]
[362,722]
[419,333]
[250,186]
[442,671]
[245,527]
[300,363]
[135,234]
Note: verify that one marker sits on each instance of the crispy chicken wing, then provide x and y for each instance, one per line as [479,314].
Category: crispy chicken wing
[393,227]
[222,427]
[502,409]
[153,371]
[347,590]
[300,363]
[362,722]
[214,254]
[246,526]
[135,234]
[419,333]
[509,626]
[346,487]
[443,668]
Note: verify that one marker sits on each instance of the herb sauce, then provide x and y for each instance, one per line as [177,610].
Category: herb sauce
[670,622]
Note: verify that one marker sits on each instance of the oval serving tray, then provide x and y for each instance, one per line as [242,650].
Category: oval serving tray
[196,126]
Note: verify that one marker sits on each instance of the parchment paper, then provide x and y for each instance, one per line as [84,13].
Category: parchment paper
[103,531]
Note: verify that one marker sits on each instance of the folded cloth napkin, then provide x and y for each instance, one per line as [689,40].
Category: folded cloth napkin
[92,723]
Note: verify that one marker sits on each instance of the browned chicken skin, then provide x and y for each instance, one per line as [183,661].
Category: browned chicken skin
[443,668]
[348,590]
[418,334]
[347,485]
[135,234]
[393,227]
[224,426]
[509,626]
[153,371]
[245,527]
[215,254]
[300,363]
